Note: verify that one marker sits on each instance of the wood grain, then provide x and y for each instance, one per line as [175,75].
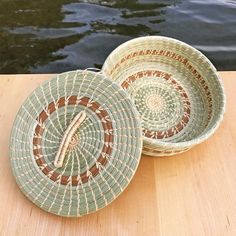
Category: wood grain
[190,194]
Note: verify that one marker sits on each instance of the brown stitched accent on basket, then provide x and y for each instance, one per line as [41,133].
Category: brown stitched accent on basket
[43,116]
[61,102]
[39,130]
[40,161]
[106,150]
[37,141]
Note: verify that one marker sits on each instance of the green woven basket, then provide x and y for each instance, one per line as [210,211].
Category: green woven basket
[175,88]
[76,143]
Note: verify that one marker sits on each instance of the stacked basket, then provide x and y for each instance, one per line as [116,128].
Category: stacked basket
[77,139]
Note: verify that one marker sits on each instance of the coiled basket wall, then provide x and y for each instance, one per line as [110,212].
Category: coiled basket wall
[175,88]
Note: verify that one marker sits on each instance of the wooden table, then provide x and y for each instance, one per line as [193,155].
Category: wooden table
[191,194]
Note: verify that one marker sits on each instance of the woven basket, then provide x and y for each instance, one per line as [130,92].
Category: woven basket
[67,143]
[175,88]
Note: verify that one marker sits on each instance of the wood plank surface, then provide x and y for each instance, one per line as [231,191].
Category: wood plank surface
[190,194]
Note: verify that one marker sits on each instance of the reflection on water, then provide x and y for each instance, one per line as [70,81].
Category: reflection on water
[54,36]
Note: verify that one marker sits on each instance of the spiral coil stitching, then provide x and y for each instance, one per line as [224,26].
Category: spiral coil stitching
[102,156]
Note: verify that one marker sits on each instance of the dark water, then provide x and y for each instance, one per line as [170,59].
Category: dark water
[58,35]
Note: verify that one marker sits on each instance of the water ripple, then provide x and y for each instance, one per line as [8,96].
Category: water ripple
[59,35]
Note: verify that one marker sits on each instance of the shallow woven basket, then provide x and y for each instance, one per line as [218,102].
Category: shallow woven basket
[76,143]
[175,88]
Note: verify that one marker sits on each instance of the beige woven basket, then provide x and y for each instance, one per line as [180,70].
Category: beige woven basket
[67,143]
[175,88]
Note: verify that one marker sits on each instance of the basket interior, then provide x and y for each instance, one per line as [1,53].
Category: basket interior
[174,87]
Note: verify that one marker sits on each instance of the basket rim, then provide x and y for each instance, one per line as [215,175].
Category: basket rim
[202,137]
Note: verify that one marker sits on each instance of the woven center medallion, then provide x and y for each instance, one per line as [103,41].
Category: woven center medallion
[164,106]
[74,142]
[155,102]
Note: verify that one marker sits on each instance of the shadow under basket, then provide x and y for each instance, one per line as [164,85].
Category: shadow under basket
[175,88]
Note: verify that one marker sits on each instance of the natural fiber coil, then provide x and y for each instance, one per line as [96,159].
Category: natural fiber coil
[175,88]
[102,150]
